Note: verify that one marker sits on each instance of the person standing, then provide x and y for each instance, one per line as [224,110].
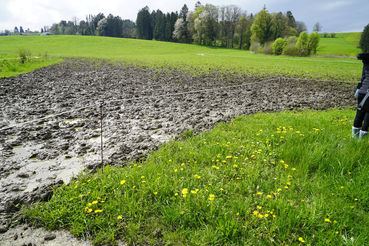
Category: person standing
[361,122]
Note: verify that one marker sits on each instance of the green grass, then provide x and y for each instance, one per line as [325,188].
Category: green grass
[191,58]
[344,44]
[10,65]
[264,179]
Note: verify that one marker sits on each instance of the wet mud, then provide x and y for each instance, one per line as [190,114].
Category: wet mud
[142,109]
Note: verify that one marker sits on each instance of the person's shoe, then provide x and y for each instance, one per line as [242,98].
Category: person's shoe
[362,134]
[355,132]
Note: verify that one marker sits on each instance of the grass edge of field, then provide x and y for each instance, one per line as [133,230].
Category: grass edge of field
[309,202]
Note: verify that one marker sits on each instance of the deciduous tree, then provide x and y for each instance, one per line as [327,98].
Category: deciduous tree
[262,28]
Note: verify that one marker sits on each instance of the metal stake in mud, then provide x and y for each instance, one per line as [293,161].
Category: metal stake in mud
[101,134]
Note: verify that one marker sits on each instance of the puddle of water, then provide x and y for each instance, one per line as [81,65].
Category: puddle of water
[160,138]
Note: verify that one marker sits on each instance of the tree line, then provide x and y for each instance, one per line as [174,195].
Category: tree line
[95,25]
[230,27]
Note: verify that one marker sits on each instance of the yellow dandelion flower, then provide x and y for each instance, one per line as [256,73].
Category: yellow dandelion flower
[327,220]
[119,217]
[228,157]
[89,210]
[269,196]
[182,212]
[221,189]
[255,212]
[342,187]
[197,176]
[260,216]
[293,169]
[259,193]
[235,166]
[184,192]
[176,194]
[259,207]
[301,239]
[122,182]
[175,170]
[155,192]
[211,197]
[98,211]
[142,177]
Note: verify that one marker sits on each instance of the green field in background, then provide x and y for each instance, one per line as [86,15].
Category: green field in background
[193,58]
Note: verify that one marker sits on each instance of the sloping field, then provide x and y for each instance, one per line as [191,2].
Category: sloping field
[344,44]
[193,58]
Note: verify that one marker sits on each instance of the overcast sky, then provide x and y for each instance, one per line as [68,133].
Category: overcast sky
[333,15]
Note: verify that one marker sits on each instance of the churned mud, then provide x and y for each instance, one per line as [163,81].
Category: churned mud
[41,148]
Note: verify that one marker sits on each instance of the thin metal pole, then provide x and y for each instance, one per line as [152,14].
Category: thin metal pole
[101,134]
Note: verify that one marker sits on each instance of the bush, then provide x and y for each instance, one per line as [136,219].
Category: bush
[279,45]
[364,40]
[290,49]
[255,47]
[267,48]
[24,55]
[313,42]
[302,44]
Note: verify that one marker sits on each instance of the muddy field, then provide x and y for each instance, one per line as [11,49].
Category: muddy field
[142,109]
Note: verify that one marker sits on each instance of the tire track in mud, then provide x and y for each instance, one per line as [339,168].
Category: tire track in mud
[49,152]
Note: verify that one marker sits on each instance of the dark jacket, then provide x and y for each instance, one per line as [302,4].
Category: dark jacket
[365,78]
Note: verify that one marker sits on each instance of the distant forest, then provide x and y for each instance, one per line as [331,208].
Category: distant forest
[225,26]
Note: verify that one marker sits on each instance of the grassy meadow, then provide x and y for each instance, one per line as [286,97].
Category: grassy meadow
[344,44]
[289,178]
[191,58]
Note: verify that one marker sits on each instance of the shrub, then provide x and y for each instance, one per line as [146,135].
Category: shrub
[24,55]
[255,47]
[364,40]
[279,45]
[290,49]
[267,48]
[302,44]
[313,42]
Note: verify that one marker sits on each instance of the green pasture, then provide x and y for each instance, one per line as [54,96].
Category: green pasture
[289,178]
[191,58]
[344,44]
